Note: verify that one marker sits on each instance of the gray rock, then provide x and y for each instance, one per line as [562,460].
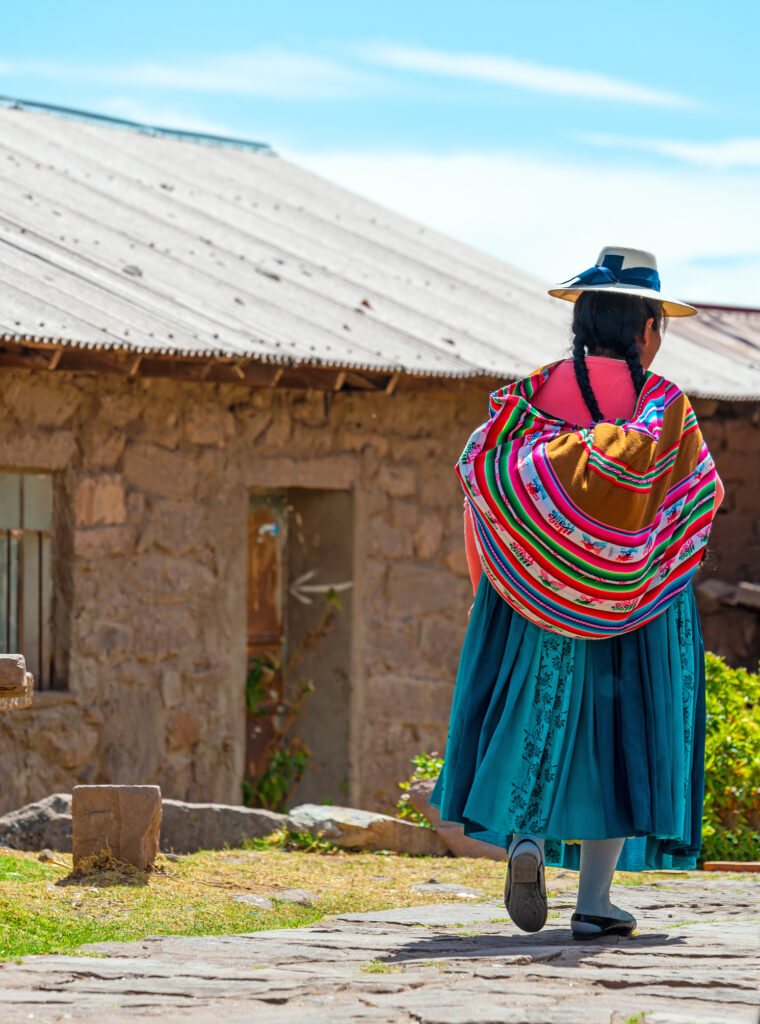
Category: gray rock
[452,834]
[185,827]
[436,915]
[463,891]
[190,827]
[354,829]
[300,897]
[262,902]
[45,824]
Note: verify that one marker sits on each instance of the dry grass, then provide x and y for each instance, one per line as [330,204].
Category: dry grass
[46,907]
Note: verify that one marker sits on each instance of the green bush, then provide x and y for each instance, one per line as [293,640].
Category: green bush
[731,824]
[426,766]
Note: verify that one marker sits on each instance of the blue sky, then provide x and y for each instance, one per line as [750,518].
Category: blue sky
[536,132]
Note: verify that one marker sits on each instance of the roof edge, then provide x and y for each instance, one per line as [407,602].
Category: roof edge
[178,134]
[65,356]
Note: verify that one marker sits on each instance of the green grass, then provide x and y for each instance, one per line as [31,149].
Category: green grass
[378,967]
[45,908]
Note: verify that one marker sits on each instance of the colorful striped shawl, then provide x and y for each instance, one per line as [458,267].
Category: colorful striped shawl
[591,531]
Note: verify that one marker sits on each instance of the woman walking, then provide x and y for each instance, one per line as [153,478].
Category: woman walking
[577,726]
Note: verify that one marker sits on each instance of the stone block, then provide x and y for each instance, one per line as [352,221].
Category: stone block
[209,424]
[419,589]
[43,449]
[440,643]
[171,687]
[101,448]
[13,682]
[428,536]
[155,470]
[402,699]
[277,434]
[354,829]
[439,487]
[165,632]
[388,541]
[309,408]
[100,502]
[101,541]
[398,481]
[451,833]
[68,748]
[252,423]
[189,827]
[161,579]
[456,560]
[22,701]
[356,440]
[44,403]
[175,526]
[124,820]
[184,730]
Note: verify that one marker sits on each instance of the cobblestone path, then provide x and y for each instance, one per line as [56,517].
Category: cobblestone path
[696,959]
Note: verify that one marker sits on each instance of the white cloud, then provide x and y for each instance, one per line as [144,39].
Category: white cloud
[552,218]
[519,73]
[727,153]
[275,74]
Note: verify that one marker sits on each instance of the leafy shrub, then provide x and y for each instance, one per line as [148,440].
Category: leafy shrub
[731,825]
[426,766]
[281,758]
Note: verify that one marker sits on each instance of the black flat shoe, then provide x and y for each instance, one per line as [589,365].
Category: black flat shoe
[525,890]
[606,926]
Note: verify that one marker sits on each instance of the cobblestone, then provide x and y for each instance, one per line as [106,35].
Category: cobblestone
[695,959]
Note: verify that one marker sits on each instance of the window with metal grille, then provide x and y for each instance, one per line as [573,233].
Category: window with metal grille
[26,571]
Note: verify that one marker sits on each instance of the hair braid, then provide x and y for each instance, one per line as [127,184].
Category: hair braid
[611,324]
[581,375]
[635,367]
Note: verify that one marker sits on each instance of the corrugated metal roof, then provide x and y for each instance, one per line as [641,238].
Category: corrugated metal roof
[146,241]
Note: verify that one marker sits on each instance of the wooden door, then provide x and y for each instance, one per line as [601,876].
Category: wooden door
[267,537]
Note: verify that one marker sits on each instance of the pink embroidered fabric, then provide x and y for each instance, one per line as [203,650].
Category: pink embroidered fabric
[561,397]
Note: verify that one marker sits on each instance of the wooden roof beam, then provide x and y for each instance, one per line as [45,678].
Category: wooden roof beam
[245,370]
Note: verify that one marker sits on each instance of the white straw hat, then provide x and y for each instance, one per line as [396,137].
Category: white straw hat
[628,271]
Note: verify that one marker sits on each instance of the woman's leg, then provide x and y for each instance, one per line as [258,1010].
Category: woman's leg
[599,859]
[536,840]
[525,889]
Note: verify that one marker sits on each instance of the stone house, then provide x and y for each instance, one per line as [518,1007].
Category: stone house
[226,385]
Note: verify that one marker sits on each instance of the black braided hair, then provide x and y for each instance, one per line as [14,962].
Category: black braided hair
[581,375]
[635,367]
[610,323]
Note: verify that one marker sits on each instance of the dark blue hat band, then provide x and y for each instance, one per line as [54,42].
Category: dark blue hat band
[613,273]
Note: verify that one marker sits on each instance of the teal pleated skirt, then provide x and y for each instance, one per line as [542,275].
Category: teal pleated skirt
[579,739]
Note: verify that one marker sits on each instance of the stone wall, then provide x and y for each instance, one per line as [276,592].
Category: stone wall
[151,505]
[732,431]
